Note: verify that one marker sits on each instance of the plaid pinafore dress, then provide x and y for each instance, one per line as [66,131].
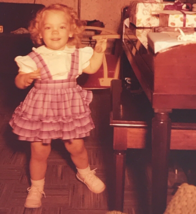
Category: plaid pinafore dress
[54,109]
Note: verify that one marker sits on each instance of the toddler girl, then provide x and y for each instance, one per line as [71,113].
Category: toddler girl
[56,107]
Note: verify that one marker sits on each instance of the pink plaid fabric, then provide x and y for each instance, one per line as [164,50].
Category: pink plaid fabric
[54,108]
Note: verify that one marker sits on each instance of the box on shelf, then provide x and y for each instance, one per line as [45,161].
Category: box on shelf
[141,34]
[131,32]
[141,13]
[164,40]
[174,18]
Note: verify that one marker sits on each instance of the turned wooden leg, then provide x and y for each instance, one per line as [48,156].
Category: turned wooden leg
[119,146]
[120,159]
[161,131]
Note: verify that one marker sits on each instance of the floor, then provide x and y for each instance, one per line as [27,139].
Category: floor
[64,193]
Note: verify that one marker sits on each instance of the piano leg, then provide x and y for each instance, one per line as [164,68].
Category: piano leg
[120,148]
[161,131]
[120,159]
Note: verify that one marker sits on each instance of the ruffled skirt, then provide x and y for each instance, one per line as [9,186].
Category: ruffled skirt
[53,109]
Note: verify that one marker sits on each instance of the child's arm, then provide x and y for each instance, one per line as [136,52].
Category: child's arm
[97,57]
[23,80]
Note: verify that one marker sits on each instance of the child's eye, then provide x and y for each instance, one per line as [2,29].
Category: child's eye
[63,27]
[47,28]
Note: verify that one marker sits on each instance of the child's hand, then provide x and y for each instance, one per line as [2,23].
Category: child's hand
[101,45]
[30,77]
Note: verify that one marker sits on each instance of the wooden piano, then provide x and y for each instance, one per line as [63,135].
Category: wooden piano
[168,78]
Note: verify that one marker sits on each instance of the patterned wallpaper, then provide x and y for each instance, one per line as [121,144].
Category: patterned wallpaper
[71,3]
[107,11]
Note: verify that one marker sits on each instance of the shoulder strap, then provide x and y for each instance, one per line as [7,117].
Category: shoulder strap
[45,73]
[74,64]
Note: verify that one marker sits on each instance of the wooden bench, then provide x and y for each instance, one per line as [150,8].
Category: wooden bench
[131,118]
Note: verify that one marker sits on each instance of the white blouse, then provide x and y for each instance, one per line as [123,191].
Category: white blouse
[58,61]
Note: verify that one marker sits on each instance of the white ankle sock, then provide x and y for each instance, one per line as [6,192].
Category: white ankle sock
[38,183]
[84,171]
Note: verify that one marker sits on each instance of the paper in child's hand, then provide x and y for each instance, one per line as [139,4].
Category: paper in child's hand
[101,45]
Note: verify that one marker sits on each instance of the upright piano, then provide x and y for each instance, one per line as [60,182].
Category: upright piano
[168,79]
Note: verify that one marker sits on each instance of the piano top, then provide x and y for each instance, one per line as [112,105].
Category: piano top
[167,77]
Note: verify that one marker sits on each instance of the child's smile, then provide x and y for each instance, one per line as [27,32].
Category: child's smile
[55,39]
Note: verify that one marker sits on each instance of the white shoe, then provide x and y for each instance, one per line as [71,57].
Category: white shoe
[92,181]
[34,197]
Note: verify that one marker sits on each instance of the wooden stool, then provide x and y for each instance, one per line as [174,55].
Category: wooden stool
[130,118]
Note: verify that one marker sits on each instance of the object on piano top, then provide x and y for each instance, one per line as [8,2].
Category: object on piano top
[131,32]
[141,13]
[158,42]
[141,34]
[172,29]
[175,18]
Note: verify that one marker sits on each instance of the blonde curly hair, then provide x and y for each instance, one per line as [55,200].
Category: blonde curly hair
[77,26]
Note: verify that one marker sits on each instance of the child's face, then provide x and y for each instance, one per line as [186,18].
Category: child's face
[55,29]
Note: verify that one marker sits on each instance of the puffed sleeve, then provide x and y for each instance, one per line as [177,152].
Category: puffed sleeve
[85,56]
[25,64]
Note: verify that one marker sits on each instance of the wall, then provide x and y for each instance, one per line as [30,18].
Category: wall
[107,11]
